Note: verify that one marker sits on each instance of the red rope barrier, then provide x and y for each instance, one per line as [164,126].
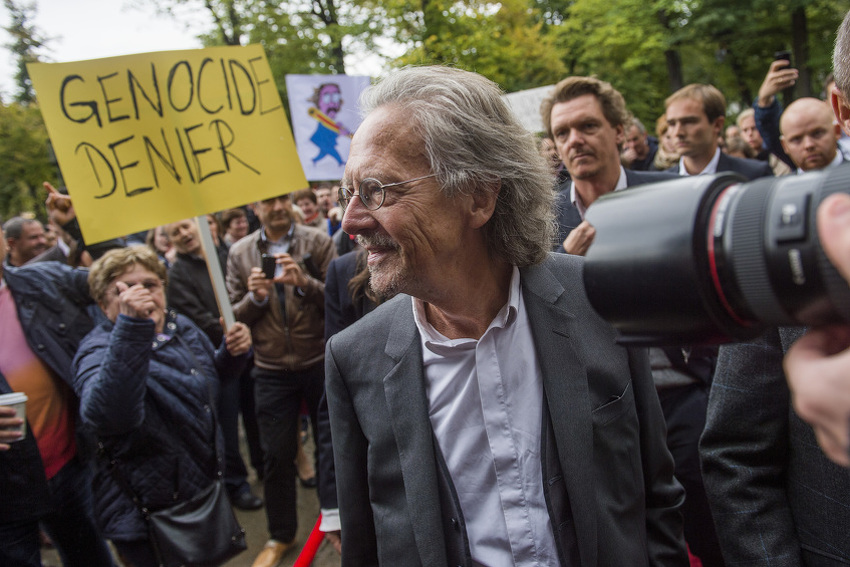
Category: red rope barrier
[308,553]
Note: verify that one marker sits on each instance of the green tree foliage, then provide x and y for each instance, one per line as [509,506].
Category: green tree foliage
[299,37]
[505,42]
[744,35]
[622,42]
[310,36]
[25,159]
[648,49]
[25,45]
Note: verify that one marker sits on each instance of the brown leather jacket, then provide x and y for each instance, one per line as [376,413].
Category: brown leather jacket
[298,342]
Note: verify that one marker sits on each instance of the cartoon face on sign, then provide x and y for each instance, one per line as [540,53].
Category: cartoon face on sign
[328,101]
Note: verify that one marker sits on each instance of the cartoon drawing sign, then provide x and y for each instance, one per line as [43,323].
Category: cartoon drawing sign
[148,139]
[324,117]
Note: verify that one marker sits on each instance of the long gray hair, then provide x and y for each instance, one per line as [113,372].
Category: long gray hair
[474,143]
[841,58]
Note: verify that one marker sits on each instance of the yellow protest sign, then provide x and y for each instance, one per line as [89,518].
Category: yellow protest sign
[148,139]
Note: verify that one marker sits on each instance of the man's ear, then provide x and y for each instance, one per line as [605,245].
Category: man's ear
[784,145]
[483,203]
[841,109]
[719,122]
[621,135]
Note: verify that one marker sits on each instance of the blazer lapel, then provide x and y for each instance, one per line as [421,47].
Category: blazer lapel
[407,400]
[567,398]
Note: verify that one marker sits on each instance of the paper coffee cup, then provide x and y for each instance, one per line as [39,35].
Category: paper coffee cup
[18,401]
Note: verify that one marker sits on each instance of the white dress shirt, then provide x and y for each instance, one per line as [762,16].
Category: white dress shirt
[485,404]
[710,169]
[575,198]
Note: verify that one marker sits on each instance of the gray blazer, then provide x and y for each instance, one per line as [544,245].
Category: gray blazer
[776,499]
[608,477]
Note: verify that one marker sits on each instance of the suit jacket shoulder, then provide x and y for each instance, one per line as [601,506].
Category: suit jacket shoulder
[635,178]
[749,168]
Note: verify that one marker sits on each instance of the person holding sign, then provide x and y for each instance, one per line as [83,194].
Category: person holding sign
[145,378]
[190,292]
[285,309]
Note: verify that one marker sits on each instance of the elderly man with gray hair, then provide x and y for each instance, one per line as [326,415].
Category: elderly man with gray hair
[484,416]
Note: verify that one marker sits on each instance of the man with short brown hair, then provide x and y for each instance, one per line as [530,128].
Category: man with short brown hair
[695,115]
[586,118]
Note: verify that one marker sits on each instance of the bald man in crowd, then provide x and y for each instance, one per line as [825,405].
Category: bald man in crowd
[810,135]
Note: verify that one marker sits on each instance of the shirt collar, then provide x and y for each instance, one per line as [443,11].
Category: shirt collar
[575,198]
[284,238]
[66,250]
[710,169]
[506,316]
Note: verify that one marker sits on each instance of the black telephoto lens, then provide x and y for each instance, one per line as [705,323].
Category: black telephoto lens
[709,258]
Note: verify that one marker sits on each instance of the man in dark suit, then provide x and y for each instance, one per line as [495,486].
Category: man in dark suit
[696,114]
[485,414]
[587,118]
[776,498]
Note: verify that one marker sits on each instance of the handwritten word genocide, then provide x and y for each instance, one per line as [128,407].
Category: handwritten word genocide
[185,132]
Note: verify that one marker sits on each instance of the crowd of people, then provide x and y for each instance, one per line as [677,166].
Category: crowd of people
[427,317]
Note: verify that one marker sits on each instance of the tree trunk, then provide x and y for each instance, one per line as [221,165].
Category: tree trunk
[326,12]
[744,91]
[674,70]
[429,25]
[671,55]
[800,45]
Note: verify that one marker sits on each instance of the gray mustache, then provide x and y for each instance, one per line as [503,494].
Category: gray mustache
[377,240]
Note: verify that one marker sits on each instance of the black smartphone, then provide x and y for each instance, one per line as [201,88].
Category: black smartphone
[269,265]
[785,54]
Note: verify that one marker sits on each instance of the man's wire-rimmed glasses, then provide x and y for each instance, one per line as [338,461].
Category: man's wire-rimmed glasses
[371,192]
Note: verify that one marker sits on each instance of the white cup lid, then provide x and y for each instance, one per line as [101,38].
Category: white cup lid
[13,398]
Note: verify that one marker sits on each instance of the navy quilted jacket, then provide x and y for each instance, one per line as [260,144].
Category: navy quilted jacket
[147,398]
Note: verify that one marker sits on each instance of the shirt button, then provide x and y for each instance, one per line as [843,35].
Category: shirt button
[40,347]
[455,524]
